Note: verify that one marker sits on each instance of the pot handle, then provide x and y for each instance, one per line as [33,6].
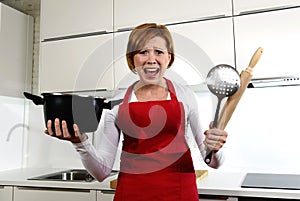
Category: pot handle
[35,99]
[110,104]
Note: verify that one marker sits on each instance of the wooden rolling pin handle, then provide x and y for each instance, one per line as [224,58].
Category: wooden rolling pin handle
[255,58]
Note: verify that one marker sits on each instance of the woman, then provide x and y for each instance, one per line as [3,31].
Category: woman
[156,161]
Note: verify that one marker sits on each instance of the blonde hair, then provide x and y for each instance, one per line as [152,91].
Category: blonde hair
[143,33]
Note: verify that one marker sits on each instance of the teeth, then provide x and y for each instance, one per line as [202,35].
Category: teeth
[151,70]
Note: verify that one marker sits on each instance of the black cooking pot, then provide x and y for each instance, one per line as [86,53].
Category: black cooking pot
[85,111]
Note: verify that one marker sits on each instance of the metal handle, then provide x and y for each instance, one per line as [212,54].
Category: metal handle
[209,152]
[110,104]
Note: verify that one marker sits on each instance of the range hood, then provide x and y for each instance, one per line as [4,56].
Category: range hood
[274,82]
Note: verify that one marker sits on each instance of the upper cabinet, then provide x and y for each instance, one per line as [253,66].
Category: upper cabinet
[199,46]
[130,13]
[16,39]
[60,18]
[278,34]
[77,64]
[256,6]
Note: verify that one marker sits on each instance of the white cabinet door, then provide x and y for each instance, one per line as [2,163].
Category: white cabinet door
[51,194]
[130,13]
[71,17]
[123,76]
[16,39]
[77,64]
[6,193]
[253,6]
[277,34]
[105,195]
[199,46]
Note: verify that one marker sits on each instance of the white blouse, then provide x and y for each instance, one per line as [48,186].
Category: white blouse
[99,159]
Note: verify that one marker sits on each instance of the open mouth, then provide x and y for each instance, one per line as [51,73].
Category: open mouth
[151,71]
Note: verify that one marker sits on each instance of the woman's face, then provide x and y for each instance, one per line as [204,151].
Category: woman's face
[152,61]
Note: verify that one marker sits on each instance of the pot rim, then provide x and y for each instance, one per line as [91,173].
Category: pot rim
[70,94]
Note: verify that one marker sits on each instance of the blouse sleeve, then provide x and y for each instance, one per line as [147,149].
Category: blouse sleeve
[99,159]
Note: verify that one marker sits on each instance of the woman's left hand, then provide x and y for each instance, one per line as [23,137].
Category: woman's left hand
[215,138]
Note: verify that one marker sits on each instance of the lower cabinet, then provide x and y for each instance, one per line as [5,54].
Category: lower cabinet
[105,195]
[6,193]
[216,198]
[50,194]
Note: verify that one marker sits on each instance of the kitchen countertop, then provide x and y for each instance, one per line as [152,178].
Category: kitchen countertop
[215,183]
[19,177]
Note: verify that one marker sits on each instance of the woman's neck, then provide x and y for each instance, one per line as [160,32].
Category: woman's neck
[151,92]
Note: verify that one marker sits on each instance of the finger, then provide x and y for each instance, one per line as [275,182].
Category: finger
[211,124]
[57,128]
[49,128]
[76,131]
[214,139]
[215,146]
[65,131]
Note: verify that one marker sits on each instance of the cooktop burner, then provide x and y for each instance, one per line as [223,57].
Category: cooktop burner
[277,181]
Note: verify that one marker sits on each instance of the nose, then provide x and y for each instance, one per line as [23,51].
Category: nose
[151,58]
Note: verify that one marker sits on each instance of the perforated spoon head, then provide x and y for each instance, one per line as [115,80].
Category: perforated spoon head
[223,80]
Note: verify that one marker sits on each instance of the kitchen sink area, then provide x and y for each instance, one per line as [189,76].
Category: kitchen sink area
[72,175]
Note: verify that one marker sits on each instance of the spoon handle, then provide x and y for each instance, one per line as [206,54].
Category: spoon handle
[209,152]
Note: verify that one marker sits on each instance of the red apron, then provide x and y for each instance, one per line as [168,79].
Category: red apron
[156,162]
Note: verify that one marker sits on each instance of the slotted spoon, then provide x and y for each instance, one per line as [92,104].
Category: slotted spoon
[223,81]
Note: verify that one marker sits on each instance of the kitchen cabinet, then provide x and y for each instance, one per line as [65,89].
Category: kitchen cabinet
[77,64]
[202,45]
[6,193]
[105,195]
[60,18]
[64,59]
[123,76]
[277,34]
[16,39]
[130,13]
[50,194]
[255,6]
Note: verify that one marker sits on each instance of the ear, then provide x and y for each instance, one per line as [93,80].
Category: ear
[169,59]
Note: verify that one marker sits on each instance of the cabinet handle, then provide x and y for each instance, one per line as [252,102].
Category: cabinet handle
[75,36]
[180,22]
[248,12]
[108,191]
[125,29]
[197,19]
[54,189]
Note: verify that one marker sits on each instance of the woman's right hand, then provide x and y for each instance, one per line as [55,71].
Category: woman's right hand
[64,133]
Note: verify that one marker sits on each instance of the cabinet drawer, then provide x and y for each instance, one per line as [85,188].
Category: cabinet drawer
[6,193]
[50,194]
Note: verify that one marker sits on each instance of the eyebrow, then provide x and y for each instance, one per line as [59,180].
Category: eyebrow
[155,48]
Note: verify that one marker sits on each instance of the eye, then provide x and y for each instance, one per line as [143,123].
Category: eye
[143,52]
[159,52]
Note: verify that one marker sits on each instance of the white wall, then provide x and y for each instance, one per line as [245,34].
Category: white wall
[13,131]
[263,134]
[264,131]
